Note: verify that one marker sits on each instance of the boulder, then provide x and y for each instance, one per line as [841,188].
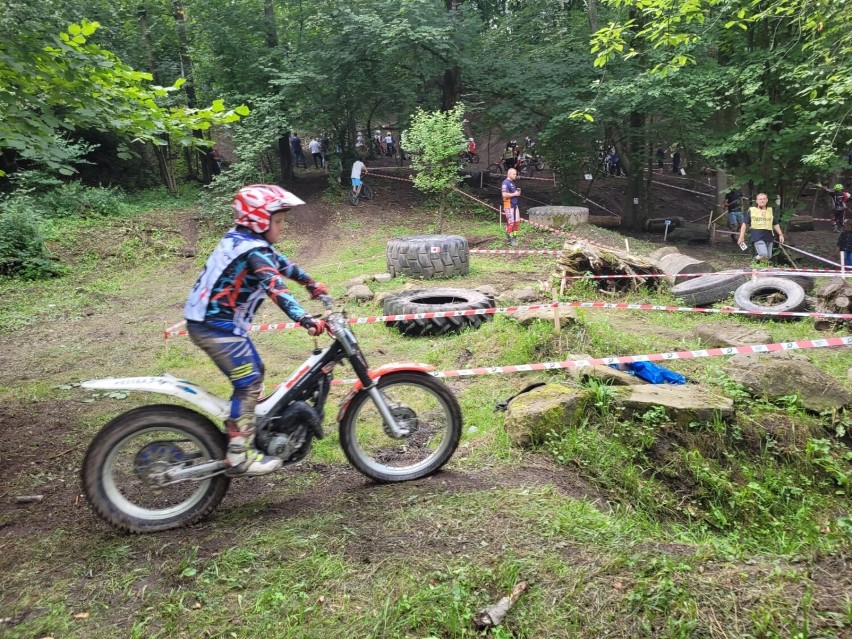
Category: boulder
[689,234]
[380,297]
[519,295]
[720,334]
[382,277]
[487,289]
[552,407]
[775,376]
[525,318]
[360,293]
[684,403]
[356,281]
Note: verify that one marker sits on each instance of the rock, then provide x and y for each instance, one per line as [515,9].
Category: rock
[382,277]
[660,253]
[601,372]
[360,293]
[356,281]
[519,295]
[525,318]
[553,407]
[772,377]
[720,334]
[487,289]
[683,403]
[380,297]
[801,223]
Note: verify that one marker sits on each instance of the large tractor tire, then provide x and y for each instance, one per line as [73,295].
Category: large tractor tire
[428,256]
[432,300]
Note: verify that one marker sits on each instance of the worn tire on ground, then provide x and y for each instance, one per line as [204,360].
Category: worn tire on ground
[700,291]
[807,283]
[428,256]
[432,300]
[559,216]
[793,293]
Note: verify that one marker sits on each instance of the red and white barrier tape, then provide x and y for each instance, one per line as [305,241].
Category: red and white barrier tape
[516,251]
[776,347]
[257,328]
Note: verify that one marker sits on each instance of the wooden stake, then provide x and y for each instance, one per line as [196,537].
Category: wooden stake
[492,616]
[556,324]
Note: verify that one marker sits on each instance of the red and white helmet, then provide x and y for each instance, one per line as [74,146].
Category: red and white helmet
[255,204]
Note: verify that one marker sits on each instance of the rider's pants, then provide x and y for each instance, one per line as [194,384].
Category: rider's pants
[237,358]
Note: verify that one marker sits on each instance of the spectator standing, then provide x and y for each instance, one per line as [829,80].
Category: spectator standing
[388,144]
[839,199]
[661,157]
[844,243]
[510,194]
[676,161]
[314,147]
[509,156]
[298,153]
[733,204]
[762,221]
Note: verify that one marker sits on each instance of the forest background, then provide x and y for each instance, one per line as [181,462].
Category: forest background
[120,93]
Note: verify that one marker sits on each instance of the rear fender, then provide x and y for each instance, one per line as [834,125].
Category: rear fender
[166,385]
[376,373]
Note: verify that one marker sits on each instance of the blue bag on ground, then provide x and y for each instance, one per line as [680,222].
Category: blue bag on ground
[654,374]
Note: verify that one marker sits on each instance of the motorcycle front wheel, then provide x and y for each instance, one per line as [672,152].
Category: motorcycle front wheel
[124,471]
[419,403]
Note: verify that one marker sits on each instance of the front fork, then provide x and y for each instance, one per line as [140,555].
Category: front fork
[360,367]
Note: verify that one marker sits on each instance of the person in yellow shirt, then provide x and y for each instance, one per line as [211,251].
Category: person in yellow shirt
[762,221]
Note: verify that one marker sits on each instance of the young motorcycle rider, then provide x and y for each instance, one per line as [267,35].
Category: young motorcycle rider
[242,269]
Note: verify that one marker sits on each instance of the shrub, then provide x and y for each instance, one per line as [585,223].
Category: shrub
[22,250]
[74,199]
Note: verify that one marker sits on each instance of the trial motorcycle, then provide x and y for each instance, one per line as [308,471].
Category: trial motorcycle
[162,466]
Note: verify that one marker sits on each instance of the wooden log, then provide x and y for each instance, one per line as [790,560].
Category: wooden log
[676,264]
[605,221]
[831,287]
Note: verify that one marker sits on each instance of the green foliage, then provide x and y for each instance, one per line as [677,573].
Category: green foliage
[22,250]
[435,140]
[50,84]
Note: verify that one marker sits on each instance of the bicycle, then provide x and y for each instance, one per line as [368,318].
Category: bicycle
[495,170]
[469,158]
[358,192]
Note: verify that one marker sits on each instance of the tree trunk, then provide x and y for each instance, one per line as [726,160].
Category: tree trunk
[189,88]
[592,10]
[630,151]
[269,24]
[285,159]
[145,34]
[450,88]
[166,173]
[441,207]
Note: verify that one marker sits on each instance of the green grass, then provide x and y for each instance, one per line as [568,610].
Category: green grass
[622,527]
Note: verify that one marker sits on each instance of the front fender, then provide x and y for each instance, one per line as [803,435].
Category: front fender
[376,373]
[166,385]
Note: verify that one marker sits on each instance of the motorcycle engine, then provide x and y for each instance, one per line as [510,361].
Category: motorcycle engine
[289,435]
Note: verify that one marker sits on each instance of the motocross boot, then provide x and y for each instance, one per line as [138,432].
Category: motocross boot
[243,458]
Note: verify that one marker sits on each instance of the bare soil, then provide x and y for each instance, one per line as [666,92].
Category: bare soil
[42,442]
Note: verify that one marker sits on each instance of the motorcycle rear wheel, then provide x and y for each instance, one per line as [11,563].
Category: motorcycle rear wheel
[127,455]
[419,402]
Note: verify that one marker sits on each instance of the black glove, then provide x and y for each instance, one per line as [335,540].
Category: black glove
[313,325]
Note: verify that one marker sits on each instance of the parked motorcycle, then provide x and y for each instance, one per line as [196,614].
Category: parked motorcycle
[163,466]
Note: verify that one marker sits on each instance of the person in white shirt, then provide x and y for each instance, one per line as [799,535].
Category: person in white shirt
[389,144]
[314,146]
[357,169]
